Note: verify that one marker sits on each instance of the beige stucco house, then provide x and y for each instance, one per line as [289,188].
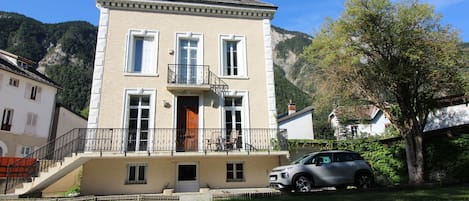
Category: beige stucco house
[183,98]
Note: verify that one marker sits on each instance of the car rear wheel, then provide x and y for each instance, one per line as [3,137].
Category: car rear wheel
[303,184]
[363,181]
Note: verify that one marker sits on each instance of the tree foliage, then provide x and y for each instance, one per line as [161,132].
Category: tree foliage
[396,56]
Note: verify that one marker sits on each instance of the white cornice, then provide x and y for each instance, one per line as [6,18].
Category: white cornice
[239,11]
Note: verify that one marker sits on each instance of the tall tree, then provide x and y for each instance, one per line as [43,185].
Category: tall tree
[395,55]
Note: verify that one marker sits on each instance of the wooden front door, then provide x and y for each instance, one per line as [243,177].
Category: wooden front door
[187,123]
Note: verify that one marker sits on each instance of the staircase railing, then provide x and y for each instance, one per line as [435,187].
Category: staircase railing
[46,156]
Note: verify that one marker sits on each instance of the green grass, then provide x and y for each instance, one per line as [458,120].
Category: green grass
[429,194]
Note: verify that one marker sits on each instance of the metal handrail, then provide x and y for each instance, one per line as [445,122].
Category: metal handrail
[188,74]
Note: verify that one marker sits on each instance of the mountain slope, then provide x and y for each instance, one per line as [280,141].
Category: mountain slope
[64,51]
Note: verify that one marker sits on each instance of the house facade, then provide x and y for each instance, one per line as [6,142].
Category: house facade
[299,124]
[27,102]
[183,97]
[358,121]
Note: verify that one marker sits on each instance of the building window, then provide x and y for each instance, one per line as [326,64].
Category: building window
[25,150]
[142,52]
[14,82]
[136,173]
[354,130]
[233,58]
[234,118]
[139,116]
[32,92]
[7,119]
[31,122]
[189,58]
[235,172]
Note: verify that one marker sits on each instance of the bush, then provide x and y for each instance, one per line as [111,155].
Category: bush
[387,160]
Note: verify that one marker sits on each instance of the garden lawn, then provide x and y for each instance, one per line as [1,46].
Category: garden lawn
[428,194]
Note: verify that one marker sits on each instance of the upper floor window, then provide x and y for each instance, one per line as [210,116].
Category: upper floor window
[32,92]
[7,119]
[31,122]
[14,82]
[142,52]
[233,57]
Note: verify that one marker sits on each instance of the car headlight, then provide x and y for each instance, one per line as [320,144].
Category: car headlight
[284,175]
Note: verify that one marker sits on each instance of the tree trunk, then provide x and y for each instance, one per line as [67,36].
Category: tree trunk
[413,138]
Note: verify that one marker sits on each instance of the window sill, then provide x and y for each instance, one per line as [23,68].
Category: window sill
[235,180]
[235,77]
[140,75]
[135,182]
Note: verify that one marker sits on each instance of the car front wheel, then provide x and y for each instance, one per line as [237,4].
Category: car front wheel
[303,184]
[363,181]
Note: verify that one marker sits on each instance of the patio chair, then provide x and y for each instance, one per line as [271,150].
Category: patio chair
[213,142]
[232,141]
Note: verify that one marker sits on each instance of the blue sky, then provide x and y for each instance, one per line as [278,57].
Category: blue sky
[296,15]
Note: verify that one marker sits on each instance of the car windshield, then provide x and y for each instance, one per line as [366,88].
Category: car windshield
[298,161]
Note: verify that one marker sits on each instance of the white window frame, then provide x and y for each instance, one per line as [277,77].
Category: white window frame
[137,169]
[125,113]
[234,171]
[190,36]
[8,121]
[31,123]
[151,69]
[241,55]
[245,118]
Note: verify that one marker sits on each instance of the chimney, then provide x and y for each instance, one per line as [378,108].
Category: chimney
[291,108]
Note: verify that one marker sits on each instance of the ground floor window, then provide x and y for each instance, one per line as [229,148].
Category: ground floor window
[235,172]
[136,173]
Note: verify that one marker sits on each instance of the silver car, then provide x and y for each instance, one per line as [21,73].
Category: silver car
[323,169]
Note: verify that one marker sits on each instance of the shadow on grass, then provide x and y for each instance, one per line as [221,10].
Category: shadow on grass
[459,193]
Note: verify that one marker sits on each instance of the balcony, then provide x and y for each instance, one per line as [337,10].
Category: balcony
[186,77]
[160,140]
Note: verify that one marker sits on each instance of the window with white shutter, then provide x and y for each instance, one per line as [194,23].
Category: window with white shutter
[142,52]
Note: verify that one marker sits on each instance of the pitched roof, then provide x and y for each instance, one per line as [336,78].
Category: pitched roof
[27,71]
[356,113]
[285,117]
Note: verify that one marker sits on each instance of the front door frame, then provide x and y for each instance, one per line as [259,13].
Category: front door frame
[200,119]
[188,186]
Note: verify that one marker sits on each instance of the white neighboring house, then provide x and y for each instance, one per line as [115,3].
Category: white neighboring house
[27,102]
[299,124]
[359,121]
[453,113]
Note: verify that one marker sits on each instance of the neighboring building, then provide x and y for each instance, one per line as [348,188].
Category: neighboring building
[27,101]
[452,115]
[299,124]
[358,121]
[183,98]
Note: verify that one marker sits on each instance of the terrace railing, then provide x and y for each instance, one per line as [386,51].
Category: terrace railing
[157,140]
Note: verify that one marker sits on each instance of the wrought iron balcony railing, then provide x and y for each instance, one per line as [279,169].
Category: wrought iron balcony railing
[158,140]
[186,76]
